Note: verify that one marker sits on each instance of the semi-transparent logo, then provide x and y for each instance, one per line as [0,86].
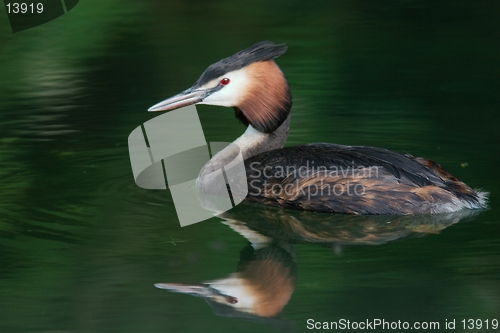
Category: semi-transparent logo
[173,146]
[28,14]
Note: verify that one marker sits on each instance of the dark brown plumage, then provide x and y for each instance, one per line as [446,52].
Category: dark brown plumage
[355,180]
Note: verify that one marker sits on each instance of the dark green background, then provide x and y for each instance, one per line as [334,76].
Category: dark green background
[81,245]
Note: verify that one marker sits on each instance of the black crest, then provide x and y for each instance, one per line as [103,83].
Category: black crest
[261,51]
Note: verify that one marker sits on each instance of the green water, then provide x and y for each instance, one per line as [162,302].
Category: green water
[81,245]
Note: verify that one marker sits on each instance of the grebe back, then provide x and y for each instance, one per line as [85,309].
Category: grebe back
[320,176]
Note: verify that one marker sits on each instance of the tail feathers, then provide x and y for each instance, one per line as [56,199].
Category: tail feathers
[468,197]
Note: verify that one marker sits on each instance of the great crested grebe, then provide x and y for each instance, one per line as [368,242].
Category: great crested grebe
[320,176]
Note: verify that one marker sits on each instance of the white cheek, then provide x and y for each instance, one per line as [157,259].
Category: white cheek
[236,288]
[230,94]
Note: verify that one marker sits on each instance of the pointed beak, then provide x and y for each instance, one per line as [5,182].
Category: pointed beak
[187,97]
[199,290]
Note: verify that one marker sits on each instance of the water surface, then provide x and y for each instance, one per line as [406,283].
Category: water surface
[81,245]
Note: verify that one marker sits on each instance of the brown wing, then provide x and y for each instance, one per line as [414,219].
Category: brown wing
[355,180]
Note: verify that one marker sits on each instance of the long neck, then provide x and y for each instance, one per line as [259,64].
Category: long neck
[254,142]
[251,143]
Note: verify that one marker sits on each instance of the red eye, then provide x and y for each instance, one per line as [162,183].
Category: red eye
[232,300]
[224,81]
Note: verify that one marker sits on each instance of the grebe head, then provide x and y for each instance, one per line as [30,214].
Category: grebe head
[262,286]
[249,81]
[232,291]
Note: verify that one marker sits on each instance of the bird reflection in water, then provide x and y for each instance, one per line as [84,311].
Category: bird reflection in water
[267,271]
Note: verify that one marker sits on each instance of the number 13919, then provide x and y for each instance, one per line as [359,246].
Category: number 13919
[23,8]
[478,324]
